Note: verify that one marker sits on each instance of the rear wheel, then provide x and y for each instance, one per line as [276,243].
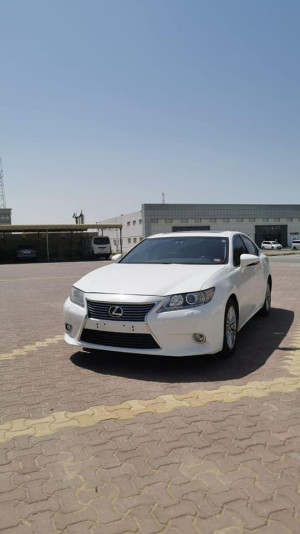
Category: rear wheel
[265,310]
[230,328]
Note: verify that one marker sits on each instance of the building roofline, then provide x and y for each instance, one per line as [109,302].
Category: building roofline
[5,228]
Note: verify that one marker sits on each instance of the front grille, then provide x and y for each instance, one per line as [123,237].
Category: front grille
[131,312]
[119,339]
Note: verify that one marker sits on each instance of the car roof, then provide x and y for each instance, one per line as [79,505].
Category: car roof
[227,234]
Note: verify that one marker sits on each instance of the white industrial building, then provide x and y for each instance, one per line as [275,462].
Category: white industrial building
[259,221]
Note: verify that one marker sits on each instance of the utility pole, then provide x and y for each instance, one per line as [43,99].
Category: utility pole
[2,194]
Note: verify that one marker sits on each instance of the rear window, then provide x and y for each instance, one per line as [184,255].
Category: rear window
[101,240]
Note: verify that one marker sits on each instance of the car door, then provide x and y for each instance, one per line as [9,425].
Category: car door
[258,271]
[245,282]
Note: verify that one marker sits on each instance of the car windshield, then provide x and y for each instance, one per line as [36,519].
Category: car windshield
[197,250]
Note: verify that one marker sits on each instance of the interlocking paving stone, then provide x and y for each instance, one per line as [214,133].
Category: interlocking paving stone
[116,444]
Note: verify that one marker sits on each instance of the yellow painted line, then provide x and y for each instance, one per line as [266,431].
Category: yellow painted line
[29,348]
[163,404]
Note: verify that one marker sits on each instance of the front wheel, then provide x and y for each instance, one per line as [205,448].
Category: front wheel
[230,328]
[265,310]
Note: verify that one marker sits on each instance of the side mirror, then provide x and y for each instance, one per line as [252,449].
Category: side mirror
[248,259]
[116,257]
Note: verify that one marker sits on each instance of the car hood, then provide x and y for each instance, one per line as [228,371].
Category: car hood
[145,279]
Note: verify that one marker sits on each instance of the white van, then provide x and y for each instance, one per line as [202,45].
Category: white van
[295,244]
[96,247]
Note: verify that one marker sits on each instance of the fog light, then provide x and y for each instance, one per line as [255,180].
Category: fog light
[199,338]
[68,327]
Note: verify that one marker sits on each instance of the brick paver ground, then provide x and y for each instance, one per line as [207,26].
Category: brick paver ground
[129,444]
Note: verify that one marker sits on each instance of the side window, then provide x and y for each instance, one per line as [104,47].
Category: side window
[251,248]
[238,249]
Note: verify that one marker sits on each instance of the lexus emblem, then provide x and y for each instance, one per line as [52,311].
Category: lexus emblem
[115,311]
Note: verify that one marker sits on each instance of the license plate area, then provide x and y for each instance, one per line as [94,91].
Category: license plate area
[116,326]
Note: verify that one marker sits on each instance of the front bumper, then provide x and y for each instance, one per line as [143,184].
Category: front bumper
[162,334]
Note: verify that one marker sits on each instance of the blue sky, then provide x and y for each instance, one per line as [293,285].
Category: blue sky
[105,104]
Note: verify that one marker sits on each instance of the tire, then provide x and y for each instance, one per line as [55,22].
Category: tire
[230,328]
[265,310]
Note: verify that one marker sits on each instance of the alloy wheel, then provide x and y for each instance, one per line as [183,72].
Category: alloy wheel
[231,327]
[268,298]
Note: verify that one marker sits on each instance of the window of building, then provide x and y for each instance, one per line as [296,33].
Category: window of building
[225,220]
[168,220]
[240,220]
[197,220]
[134,223]
[134,239]
[141,239]
[128,223]
[140,221]
[184,220]
[129,239]
[213,220]
[251,219]
[154,220]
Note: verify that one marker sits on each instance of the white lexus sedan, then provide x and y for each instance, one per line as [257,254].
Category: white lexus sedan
[177,294]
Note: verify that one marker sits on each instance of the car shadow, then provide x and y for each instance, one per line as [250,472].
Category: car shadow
[256,343]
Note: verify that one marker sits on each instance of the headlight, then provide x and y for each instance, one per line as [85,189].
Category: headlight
[77,296]
[187,300]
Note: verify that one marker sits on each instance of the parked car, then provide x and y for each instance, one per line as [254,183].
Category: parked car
[26,253]
[271,245]
[175,294]
[295,244]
